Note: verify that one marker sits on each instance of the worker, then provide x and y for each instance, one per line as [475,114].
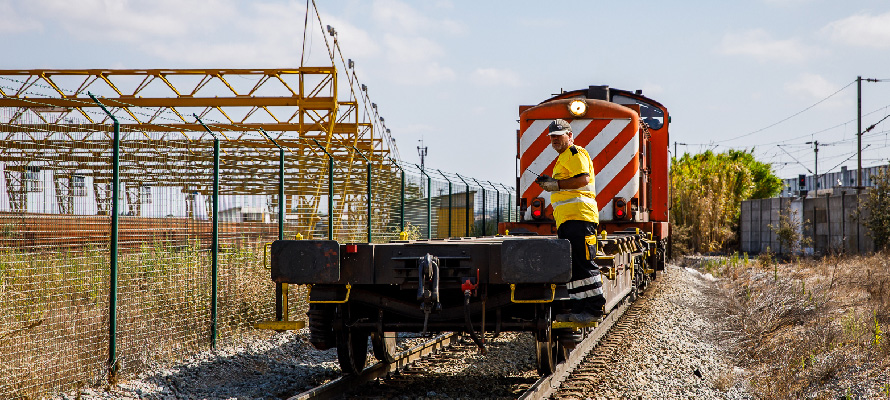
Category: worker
[572,194]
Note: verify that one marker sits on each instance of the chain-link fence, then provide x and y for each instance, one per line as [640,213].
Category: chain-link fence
[189,266]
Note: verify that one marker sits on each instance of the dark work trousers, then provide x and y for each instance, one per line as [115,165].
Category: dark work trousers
[586,286]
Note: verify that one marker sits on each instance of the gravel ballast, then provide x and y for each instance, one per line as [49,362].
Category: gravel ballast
[669,352]
[661,357]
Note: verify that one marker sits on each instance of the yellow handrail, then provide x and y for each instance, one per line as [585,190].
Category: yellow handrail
[266,263]
[309,292]
[513,295]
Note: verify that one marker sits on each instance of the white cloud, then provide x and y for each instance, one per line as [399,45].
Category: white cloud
[436,72]
[132,21]
[215,32]
[12,22]
[445,4]
[495,77]
[355,42]
[759,45]
[414,60]
[814,87]
[861,30]
[786,3]
[396,16]
[404,49]
[426,73]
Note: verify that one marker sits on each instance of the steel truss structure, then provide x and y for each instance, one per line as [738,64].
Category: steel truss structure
[48,125]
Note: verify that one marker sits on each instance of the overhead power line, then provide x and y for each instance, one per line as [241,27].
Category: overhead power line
[789,117]
[795,159]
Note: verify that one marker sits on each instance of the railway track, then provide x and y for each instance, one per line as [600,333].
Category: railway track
[337,388]
[600,350]
[589,358]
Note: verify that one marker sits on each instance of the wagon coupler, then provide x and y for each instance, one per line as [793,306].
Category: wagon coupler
[428,286]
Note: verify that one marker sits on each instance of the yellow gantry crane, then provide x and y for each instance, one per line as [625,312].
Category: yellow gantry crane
[48,121]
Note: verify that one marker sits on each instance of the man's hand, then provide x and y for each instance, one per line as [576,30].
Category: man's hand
[547,183]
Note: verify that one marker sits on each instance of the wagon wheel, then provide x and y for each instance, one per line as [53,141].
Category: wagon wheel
[352,346]
[384,346]
[546,349]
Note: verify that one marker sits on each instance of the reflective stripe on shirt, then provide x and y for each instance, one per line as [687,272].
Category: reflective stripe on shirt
[575,200]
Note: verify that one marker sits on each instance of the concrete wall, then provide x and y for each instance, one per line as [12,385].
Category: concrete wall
[828,221]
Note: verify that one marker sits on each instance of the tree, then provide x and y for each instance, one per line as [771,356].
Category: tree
[876,203]
[708,189]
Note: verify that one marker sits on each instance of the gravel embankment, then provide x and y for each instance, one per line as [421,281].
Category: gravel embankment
[657,360]
[669,353]
[271,367]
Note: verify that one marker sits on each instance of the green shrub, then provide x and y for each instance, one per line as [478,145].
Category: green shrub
[708,189]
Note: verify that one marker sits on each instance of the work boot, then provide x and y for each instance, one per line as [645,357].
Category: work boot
[563,317]
[584,318]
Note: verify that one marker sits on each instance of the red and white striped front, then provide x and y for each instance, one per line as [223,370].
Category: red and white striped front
[613,144]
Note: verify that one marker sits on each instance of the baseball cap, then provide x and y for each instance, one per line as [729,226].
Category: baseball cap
[559,127]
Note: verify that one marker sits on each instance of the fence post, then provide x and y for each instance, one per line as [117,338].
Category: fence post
[497,207]
[281,201]
[281,289]
[330,190]
[449,200]
[466,206]
[369,190]
[429,203]
[115,223]
[482,188]
[214,239]
[402,197]
[509,203]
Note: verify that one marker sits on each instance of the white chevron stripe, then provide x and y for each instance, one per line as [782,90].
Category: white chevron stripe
[606,135]
[532,133]
[627,192]
[599,142]
[539,127]
[616,164]
[544,159]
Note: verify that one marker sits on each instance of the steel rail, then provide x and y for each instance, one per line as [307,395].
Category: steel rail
[548,385]
[336,388]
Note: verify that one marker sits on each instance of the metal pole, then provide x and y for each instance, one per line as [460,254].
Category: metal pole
[281,201]
[330,196]
[330,190]
[369,191]
[214,241]
[858,133]
[281,289]
[484,231]
[429,204]
[466,206]
[449,199]
[402,197]
[816,166]
[115,223]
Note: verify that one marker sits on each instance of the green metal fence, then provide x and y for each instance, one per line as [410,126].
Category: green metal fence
[108,268]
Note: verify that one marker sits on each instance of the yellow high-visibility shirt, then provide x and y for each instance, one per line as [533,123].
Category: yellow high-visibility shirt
[574,204]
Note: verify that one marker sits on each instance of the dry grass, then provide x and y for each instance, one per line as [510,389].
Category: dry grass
[54,311]
[800,326]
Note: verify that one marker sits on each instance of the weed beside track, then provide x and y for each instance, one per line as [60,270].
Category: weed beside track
[810,328]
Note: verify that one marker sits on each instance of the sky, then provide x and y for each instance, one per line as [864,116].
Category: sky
[767,75]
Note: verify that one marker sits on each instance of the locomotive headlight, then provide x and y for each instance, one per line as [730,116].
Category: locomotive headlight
[578,107]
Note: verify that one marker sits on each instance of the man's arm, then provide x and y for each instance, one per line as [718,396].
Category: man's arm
[575,182]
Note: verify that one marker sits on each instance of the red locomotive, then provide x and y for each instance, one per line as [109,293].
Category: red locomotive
[515,281]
